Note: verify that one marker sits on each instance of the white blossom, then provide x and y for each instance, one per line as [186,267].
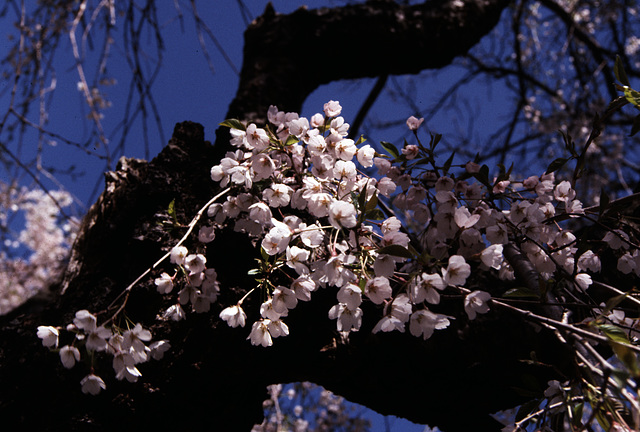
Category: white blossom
[476,302]
[234,316]
[69,355]
[457,271]
[260,333]
[49,336]
[92,384]
[424,322]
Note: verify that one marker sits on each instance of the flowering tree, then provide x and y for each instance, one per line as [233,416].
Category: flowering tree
[289,251]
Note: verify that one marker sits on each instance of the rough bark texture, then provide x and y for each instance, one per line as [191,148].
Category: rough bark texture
[213,378]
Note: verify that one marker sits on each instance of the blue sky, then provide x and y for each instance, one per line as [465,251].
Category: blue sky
[186,89]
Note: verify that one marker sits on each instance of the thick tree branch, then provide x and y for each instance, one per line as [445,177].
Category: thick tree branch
[286,57]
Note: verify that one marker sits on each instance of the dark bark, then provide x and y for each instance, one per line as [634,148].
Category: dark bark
[213,378]
[286,57]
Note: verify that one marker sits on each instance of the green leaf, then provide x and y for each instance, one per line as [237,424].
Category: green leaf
[375,214]
[632,96]
[253,272]
[395,250]
[372,204]
[361,140]
[556,165]
[234,124]
[171,211]
[576,411]
[264,254]
[621,75]
[613,332]
[291,140]
[390,148]
[521,292]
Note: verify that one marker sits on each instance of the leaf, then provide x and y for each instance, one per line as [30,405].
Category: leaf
[291,140]
[447,164]
[635,126]
[614,302]
[234,124]
[483,176]
[375,214]
[361,140]
[171,211]
[556,165]
[632,96]
[504,174]
[395,250]
[618,336]
[621,75]
[435,139]
[613,332]
[390,148]
[576,411]
[372,203]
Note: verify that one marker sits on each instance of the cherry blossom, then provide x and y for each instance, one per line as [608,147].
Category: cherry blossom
[425,287]
[348,320]
[332,109]
[234,316]
[378,289]
[49,336]
[342,215]
[284,299]
[457,271]
[424,322]
[69,355]
[260,333]
[476,302]
[195,263]
[92,384]
[178,254]
[413,123]
[164,283]
[135,338]
[85,320]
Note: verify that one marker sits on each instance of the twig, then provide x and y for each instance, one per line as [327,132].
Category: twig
[192,225]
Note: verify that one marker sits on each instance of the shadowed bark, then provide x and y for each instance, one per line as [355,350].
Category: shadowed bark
[212,377]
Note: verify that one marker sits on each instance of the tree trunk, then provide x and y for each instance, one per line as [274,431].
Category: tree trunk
[213,377]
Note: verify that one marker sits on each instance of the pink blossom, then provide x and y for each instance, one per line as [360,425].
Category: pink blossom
[92,384]
[234,316]
[332,108]
[457,271]
[342,215]
[424,322]
[476,302]
[413,123]
[378,289]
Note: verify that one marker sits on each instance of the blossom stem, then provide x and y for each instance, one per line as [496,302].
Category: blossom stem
[191,226]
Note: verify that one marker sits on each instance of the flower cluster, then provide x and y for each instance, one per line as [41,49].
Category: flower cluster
[127,347]
[45,239]
[398,231]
